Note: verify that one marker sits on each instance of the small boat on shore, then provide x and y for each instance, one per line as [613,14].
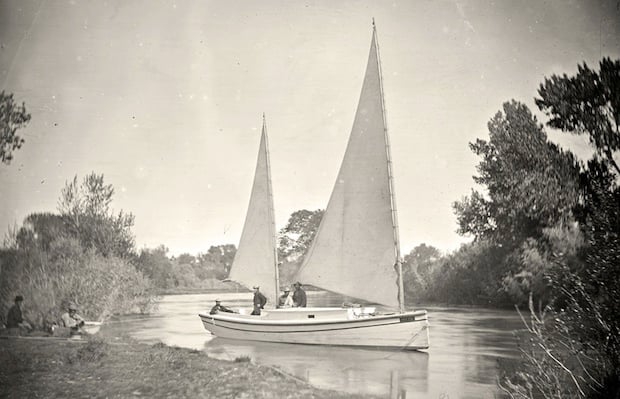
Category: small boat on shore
[356,251]
[89,328]
[56,333]
[92,327]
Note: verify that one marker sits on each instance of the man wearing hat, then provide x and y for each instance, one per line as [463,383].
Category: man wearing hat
[220,308]
[259,301]
[15,319]
[299,296]
[71,319]
[285,300]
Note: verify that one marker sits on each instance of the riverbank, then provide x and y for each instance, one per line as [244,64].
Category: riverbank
[121,367]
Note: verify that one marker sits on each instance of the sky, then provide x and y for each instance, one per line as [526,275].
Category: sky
[165,99]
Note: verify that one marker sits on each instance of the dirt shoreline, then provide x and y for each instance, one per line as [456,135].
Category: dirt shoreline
[104,367]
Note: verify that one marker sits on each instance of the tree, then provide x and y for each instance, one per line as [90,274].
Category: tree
[40,230]
[184,275]
[593,285]
[154,264]
[86,209]
[294,241]
[12,118]
[587,103]
[531,183]
[581,327]
[216,262]
[296,237]
[417,268]
[186,259]
[470,275]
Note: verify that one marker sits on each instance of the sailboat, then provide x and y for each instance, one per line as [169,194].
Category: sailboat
[356,251]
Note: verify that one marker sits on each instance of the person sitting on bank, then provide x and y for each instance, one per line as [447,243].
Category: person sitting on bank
[285,300]
[71,319]
[299,296]
[15,318]
[220,308]
[259,298]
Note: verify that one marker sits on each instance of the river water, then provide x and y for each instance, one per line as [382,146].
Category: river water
[468,349]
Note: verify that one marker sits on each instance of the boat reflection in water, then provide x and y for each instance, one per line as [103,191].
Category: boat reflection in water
[353,370]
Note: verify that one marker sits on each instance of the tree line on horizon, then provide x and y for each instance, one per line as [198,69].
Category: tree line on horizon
[545,228]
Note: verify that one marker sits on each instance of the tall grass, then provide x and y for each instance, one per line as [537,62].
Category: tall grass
[48,280]
[557,363]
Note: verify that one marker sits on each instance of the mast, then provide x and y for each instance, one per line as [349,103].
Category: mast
[401,291]
[272,213]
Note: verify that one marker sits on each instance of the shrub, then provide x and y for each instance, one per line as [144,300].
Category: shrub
[101,286]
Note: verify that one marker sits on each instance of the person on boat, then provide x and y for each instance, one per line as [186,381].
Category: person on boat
[285,300]
[299,296]
[256,310]
[15,319]
[220,308]
[70,319]
[259,298]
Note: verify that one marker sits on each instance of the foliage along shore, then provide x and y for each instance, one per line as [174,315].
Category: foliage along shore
[119,368]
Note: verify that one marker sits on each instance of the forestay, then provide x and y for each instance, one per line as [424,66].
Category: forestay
[354,252]
[255,260]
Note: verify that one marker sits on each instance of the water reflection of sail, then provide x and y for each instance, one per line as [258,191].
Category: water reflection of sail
[354,370]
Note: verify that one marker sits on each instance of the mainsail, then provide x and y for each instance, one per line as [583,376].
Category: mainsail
[255,260]
[355,249]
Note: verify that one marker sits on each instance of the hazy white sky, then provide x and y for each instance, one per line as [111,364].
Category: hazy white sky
[165,99]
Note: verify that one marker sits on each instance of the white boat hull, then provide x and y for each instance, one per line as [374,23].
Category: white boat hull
[92,327]
[325,326]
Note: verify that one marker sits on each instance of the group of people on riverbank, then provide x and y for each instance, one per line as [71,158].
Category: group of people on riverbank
[297,300]
[16,324]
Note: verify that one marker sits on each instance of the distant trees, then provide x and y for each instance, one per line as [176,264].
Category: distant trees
[418,267]
[295,239]
[217,261]
[208,269]
[205,270]
[155,264]
[12,118]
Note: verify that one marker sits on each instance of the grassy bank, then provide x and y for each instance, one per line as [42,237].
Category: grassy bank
[120,368]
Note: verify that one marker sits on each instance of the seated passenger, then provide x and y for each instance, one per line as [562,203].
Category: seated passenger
[220,308]
[72,320]
[15,319]
[299,296]
[285,300]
